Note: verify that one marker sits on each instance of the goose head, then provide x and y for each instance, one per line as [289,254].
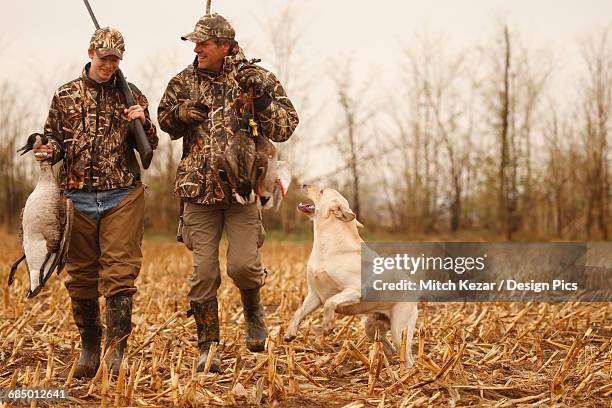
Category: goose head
[35,140]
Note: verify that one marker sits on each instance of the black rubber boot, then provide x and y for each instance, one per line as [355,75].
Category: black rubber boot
[254,319]
[86,315]
[118,328]
[206,316]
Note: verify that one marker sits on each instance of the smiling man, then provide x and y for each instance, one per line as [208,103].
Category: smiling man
[88,127]
[205,105]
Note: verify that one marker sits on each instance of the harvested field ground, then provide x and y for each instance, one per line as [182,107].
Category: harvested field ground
[472,354]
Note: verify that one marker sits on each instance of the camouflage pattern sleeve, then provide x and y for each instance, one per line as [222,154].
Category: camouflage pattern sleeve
[167,110]
[275,113]
[54,129]
[149,127]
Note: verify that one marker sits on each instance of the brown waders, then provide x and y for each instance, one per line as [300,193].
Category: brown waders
[104,259]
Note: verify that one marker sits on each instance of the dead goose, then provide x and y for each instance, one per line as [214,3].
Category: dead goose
[45,225]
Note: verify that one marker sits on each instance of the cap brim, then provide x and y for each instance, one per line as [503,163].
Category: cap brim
[105,52]
[195,37]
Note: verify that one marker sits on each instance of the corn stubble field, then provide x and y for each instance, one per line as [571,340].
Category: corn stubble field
[488,354]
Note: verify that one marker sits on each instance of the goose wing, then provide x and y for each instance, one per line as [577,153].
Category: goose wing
[11,277]
[66,217]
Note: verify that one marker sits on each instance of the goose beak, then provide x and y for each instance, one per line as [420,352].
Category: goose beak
[24,149]
[31,142]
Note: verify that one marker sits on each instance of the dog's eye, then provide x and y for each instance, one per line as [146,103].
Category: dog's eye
[321,192]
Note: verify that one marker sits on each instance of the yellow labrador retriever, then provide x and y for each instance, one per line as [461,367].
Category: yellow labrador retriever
[334,274]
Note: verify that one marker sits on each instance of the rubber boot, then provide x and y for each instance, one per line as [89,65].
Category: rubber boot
[254,319]
[118,328]
[206,316]
[86,315]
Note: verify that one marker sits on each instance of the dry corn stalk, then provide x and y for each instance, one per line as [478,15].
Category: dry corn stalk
[506,374]
[375,363]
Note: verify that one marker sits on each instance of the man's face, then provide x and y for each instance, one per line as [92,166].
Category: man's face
[210,55]
[102,68]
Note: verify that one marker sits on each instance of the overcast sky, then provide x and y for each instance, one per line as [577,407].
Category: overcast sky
[39,37]
[44,43]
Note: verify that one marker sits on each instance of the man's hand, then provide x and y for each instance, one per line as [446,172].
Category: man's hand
[251,77]
[135,112]
[44,152]
[192,112]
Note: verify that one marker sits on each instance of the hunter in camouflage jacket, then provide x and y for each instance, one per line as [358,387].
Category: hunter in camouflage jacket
[87,127]
[204,142]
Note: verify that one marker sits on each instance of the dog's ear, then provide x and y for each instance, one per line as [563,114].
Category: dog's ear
[359,225]
[341,211]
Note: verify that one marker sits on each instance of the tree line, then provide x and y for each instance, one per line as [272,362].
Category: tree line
[480,140]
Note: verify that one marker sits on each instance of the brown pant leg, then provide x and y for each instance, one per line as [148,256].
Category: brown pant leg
[82,260]
[203,226]
[121,232]
[244,235]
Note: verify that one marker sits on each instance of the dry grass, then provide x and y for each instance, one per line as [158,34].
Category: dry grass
[493,354]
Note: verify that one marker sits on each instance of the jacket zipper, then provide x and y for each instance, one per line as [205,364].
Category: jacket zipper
[93,142]
[223,111]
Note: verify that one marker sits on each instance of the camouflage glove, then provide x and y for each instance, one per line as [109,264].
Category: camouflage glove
[192,112]
[251,77]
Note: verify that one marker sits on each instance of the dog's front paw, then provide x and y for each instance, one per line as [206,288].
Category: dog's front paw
[328,321]
[328,327]
[289,337]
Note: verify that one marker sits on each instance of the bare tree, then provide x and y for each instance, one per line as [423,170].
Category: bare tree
[356,113]
[563,180]
[596,111]
[453,126]
[507,164]
[512,92]
[433,128]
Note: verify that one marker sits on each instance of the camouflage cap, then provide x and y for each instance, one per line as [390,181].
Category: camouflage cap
[107,41]
[210,26]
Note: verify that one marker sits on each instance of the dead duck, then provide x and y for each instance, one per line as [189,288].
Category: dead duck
[240,168]
[249,171]
[45,225]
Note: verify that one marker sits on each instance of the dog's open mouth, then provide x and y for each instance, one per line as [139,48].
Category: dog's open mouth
[306,208]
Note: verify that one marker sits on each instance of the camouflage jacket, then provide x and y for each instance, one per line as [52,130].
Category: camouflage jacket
[88,130]
[204,142]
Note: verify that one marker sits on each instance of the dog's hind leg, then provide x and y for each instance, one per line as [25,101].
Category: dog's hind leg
[347,297]
[403,317]
[311,303]
[380,322]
